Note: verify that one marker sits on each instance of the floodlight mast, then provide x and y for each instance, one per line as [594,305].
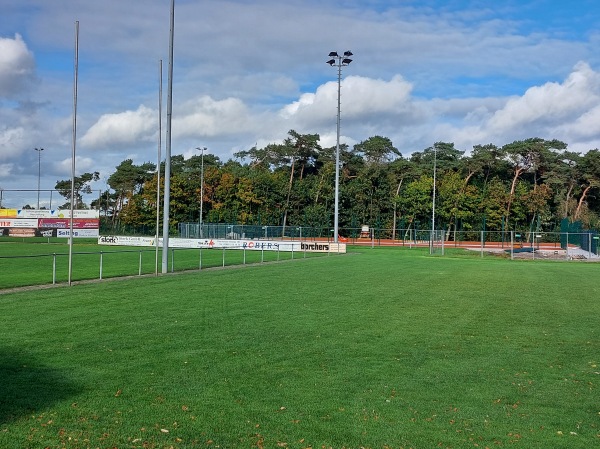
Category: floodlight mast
[339,62]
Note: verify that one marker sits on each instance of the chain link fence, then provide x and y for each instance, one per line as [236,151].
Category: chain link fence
[582,245]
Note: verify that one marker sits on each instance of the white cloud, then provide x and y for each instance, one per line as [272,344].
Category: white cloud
[362,99]
[82,165]
[17,66]
[122,128]
[11,142]
[205,117]
[6,169]
[583,127]
[566,110]
[551,102]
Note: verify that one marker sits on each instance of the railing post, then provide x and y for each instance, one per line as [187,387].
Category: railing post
[140,265]
[512,245]
[443,240]
[223,256]
[54,269]
[101,264]
[482,237]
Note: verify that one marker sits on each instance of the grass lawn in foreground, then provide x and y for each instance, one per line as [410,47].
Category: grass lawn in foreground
[378,348]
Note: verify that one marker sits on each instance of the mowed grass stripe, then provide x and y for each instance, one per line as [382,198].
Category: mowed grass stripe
[378,348]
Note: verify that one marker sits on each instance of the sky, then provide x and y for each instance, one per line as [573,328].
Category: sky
[246,72]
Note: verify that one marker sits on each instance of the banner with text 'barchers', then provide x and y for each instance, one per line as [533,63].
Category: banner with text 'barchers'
[251,245]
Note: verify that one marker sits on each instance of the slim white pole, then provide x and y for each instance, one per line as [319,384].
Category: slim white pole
[433,201]
[39,151]
[201,189]
[160,82]
[167,189]
[74,140]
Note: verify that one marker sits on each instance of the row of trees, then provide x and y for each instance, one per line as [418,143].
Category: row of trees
[533,183]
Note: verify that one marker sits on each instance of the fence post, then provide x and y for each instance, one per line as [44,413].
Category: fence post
[223,256]
[589,245]
[140,265]
[101,264]
[512,245]
[482,238]
[443,240]
[172,260]
[567,247]
[244,255]
[200,263]
[54,269]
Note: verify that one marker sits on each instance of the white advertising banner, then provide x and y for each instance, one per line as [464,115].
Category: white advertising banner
[18,223]
[120,240]
[78,233]
[57,213]
[251,245]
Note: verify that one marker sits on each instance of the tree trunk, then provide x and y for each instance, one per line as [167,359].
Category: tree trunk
[395,206]
[581,201]
[513,187]
[287,201]
[568,196]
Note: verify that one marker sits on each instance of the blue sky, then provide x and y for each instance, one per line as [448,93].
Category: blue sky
[246,72]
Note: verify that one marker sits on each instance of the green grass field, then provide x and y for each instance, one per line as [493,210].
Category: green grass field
[46,262]
[379,348]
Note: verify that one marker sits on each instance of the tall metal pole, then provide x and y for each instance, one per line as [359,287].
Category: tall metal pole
[200,233]
[433,200]
[336,221]
[167,194]
[74,142]
[160,82]
[338,61]
[39,151]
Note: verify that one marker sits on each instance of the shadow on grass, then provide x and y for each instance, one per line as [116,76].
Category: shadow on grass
[27,386]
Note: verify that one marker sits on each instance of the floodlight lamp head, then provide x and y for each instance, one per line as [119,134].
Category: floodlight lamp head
[346,61]
[347,53]
[331,62]
[333,54]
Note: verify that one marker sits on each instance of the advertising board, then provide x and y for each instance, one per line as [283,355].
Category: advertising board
[78,233]
[18,223]
[250,245]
